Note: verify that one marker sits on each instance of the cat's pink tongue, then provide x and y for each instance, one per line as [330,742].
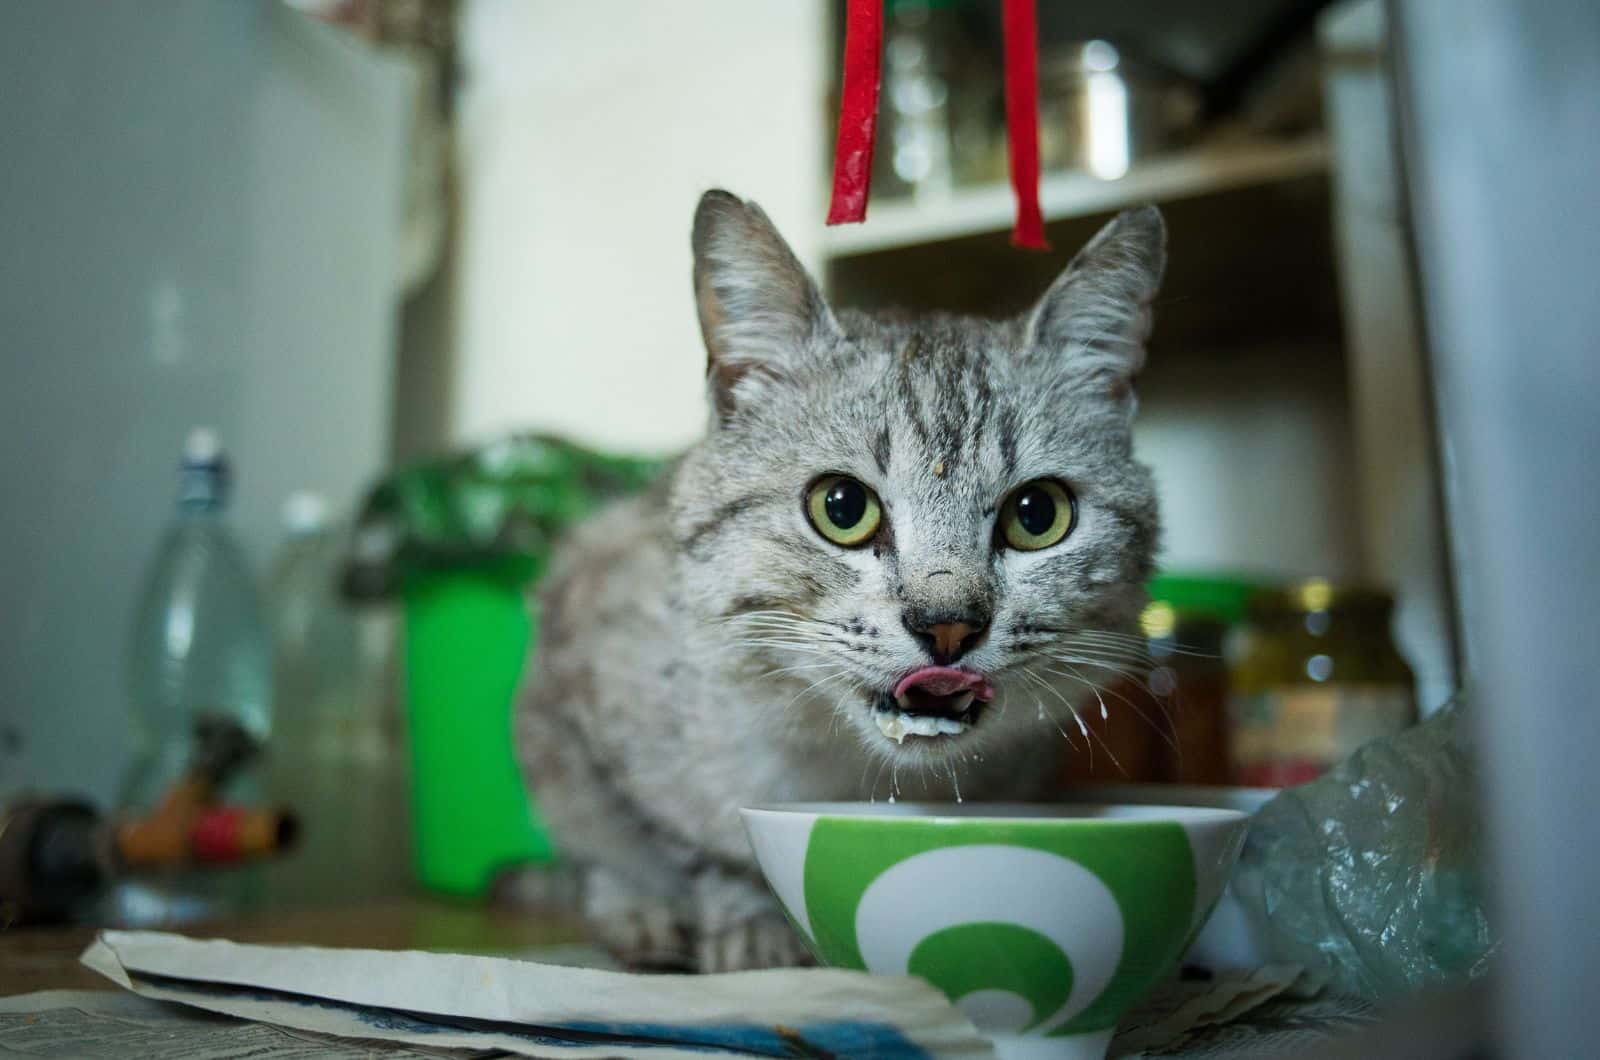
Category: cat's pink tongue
[945,681]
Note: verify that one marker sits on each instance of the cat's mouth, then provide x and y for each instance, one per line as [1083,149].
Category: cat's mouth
[932,701]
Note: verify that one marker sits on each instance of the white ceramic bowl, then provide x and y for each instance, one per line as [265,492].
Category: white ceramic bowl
[1045,924]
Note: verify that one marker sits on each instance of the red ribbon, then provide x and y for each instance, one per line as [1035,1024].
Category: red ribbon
[1020,26]
[858,111]
[858,114]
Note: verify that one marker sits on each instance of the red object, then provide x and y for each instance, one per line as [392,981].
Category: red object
[1020,26]
[858,111]
[215,835]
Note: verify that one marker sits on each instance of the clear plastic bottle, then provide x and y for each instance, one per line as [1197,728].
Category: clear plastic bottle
[199,650]
[336,757]
[316,643]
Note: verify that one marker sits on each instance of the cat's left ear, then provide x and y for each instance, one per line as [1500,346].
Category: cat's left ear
[1096,315]
[760,312]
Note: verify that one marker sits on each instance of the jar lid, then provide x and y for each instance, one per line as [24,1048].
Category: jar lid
[1320,594]
[1219,596]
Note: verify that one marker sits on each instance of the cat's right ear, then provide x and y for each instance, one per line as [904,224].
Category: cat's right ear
[760,313]
[1095,318]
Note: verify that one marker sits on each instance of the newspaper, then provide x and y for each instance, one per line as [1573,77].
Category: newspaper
[1268,1012]
[109,1024]
[275,1003]
[440,1000]
[95,1024]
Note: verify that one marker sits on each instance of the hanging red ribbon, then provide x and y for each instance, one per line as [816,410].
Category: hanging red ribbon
[858,111]
[1020,25]
[858,114]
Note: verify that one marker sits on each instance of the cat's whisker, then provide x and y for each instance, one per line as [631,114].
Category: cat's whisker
[779,642]
[1107,636]
[1168,735]
[1138,678]
[817,632]
[801,647]
[789,622]
[1137,643]
[773,626]
[755,616]
[1100,655]
[766,637]
[1132,643]
[792,628]
[1082,728]
[878,776]
[1088,733]
[799,669]
[1043,713]
[1121,669]
[812,687]
[1147,652]
[1046,685]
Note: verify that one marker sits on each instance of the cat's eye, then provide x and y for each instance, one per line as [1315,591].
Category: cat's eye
[843,510]
[1038,514]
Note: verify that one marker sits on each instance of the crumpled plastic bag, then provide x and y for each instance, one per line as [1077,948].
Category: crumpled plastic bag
[502,505]
[1371,874]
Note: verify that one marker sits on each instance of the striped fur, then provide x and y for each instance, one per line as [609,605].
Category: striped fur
[704,648]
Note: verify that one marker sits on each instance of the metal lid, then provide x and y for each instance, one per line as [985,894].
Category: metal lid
[1319,594]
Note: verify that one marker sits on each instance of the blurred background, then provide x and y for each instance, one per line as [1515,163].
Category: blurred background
[391,292]
[351,236]
[418,273]
[327,317]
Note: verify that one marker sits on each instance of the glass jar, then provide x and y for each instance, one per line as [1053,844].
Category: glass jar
[923,46]
[1318,676]
[1166,715]
[1189,621]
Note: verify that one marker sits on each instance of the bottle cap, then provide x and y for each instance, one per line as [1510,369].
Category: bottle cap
[203,448]
[305,512]
[203,471]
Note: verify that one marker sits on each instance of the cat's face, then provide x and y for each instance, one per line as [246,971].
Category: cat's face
[933,531]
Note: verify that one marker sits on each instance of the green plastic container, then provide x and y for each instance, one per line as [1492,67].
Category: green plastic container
[461,540]
[467,635]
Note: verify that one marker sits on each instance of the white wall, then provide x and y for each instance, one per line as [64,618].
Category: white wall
[198,215]
[1251,453]
[588,132]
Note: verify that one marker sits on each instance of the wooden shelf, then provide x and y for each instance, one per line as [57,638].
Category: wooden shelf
[1063,196]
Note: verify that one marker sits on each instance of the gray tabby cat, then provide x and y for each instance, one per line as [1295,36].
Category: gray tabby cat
[898,563]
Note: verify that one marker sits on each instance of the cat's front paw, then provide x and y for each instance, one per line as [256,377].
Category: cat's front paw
[765,941]
[645,937]
[642,930]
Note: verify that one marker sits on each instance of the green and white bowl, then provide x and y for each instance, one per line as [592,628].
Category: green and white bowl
[1045,924]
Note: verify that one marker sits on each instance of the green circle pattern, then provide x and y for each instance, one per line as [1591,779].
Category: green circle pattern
[1014,958]
[1152,881]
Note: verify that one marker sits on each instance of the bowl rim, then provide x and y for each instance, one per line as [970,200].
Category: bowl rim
[1127,815]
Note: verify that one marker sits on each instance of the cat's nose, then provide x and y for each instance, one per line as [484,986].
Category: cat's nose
[947,636]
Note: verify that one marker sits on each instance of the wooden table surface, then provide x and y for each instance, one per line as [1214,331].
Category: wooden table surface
[46,958]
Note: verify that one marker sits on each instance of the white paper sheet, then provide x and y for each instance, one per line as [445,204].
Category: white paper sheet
[528,1009]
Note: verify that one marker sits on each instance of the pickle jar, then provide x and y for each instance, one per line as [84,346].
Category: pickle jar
[1189,621]
[1317,676]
